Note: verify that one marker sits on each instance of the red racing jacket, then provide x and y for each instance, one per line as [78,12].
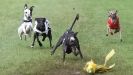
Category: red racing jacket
[113,25]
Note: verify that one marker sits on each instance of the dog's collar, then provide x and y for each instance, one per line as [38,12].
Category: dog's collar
[27,20]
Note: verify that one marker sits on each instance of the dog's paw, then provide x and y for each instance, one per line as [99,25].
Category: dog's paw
[20,37]
[111,33]
[40,45]
[43,39]
[31,46]
[52,53]
[121,40]
[51,47]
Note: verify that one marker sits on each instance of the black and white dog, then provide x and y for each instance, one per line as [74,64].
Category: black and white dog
[42,28]
[69,41]
[26,26]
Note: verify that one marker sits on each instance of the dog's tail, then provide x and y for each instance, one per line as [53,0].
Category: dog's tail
[76,18]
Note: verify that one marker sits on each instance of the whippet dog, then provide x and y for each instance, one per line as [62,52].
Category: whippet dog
[26,26]
[69,41]
[113,25]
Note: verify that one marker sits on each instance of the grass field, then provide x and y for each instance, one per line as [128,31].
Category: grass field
[17,58]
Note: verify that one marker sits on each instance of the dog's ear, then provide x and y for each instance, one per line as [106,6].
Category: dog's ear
[31,8]
[75,33]
[25,6]
[116,11]
[109,13]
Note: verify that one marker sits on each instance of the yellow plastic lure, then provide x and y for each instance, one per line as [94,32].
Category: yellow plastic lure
[92,67]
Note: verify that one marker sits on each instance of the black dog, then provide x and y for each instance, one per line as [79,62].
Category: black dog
[42,29]
[69,41]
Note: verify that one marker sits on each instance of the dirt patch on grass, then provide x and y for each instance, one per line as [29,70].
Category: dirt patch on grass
[65,72]
[51,67]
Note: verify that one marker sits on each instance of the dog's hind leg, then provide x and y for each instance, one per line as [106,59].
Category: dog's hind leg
[34,38]
[30,33]
[57,45]
[120,35]
[25,37]
[50,38]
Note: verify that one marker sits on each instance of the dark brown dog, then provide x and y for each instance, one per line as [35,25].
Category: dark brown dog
[69,41]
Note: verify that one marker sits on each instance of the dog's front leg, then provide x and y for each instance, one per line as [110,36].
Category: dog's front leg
[34,38]
[40,44]
[44,36]
[110,31]
[20,36]
[57,45]
[78,47]
[74,51]
[120,35]
[64,51]
[24,30]
[107,31]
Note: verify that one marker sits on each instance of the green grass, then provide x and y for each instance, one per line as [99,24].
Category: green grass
[17,58]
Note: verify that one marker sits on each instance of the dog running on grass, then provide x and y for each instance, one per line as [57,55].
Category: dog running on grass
[113,25]
[69,41]
[26,26]
[41,28]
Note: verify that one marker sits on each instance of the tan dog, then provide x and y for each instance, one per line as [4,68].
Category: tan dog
[113,25]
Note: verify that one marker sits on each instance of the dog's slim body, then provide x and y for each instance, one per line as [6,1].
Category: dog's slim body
[113,23]
[25,29]
[26,26]
[41,28]
[70,42]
